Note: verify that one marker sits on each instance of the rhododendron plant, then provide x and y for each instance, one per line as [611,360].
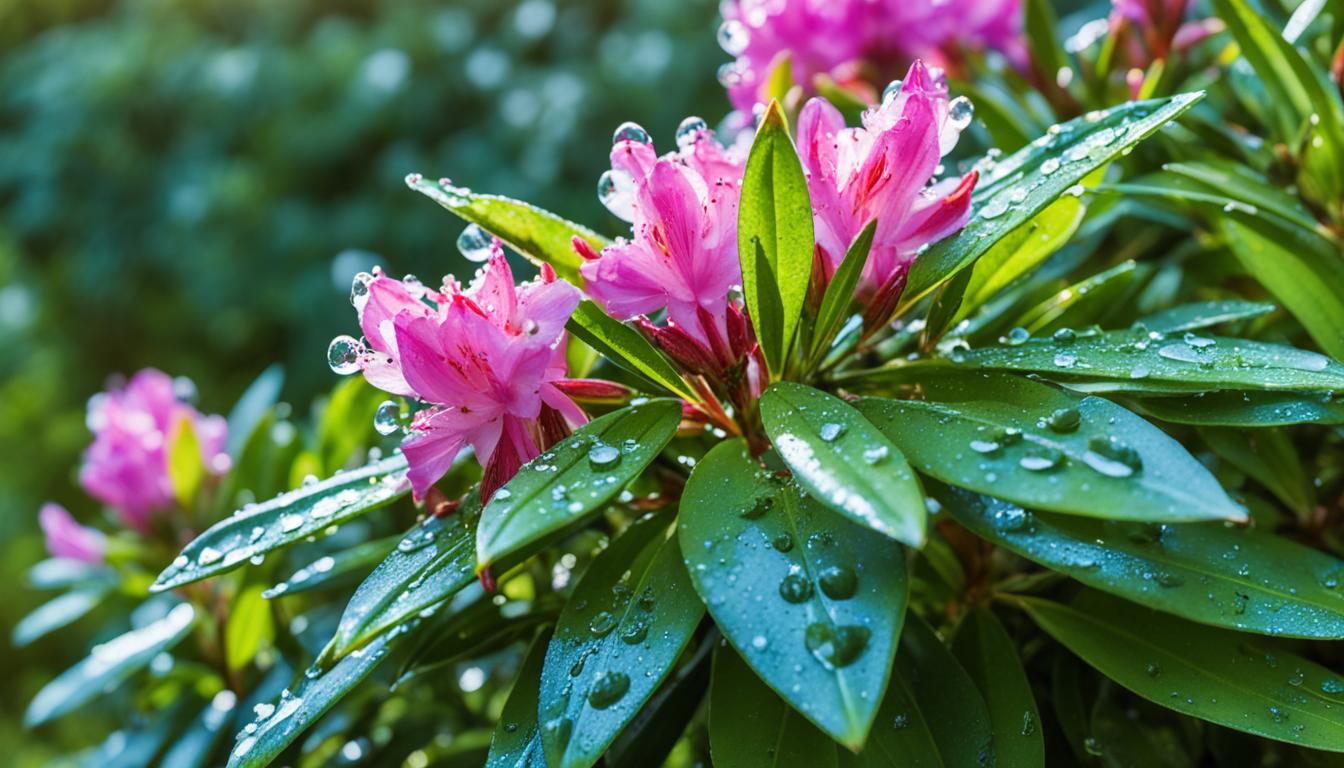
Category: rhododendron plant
[854,439]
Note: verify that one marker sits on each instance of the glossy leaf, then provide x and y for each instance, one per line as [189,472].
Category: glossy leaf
[335,568]
[56,613]
[1133,357]
[1044,170]
[280,723]
[839,294]
[1211,573]
[575,478]
[1083,303]
[1243,409]
[750,725]
[193,748]
[430,564]
[108,664]
[947,697]
[1268,457]
[1247,186]
[625,625]
[1302,270]
[516,742]
[901,737]
[186,469]
[1048,449]
[1203,314]
[625,347]
[251,408]
[541,236]
[776,214]
[286,519]
[655,732]
[812,601]
[248,629]
[844,461]
[991,659]
[1211,674]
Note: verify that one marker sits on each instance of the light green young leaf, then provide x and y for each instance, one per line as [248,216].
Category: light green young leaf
[248,629]
[186,468]
[625,347]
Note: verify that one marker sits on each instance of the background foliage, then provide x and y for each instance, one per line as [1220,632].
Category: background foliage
[191,185]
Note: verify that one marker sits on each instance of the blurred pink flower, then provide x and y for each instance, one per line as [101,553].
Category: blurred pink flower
[857,43]
[882,171]
[1148,30]
[126,467]
[67,538]
[488,360]
[682,255]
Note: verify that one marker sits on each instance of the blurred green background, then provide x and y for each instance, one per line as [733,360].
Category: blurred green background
[191,184]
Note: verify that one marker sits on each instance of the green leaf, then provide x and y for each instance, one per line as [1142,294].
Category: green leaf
[1243,409]
[1302,270]
[575,478]
[947,697]
[1211,674]
[902,737]
[248,629]
[844,461]
[1245,185]
[1021,251]
[252,407]
[541,236]
[1133,357]
[431,563]
[516,742]
[108,665]
[750,725]
[56,613]
[625,625]
[1087,301]
[1044,170]
[333,569]
[1229,577]
[775,210]
[353,402]
[625,347]
[1202,314]
[285,719]
[285,520]
[186,469]
[650,738]
[813,602]
[991,659]
[1047,449]
[840,292]
[1268,457]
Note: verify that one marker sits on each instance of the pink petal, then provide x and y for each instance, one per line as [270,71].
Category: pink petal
[67,538]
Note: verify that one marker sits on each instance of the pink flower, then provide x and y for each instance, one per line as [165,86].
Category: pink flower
[67,538]
[856,42]
[880,171]
[682,255]
[126,467]
[488,359]
[1148,30]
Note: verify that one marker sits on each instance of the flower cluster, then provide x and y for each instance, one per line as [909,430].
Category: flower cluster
[854,43]
[126,466]
[488,359]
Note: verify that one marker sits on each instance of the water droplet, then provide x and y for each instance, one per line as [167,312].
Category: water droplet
[561,728]
[359,289]
[631,132]
[996,207]
[1198,342]
[602,624]
[900,721]
[690,131]
[475,243]
[209,555]
[759,507]
[838,582]
[959,113]
[1064,336]
[1017,337]
[1112,457]
[1028,724]
[608,688]
[291,522]
[1278,714]
[733,37]
[783,542]
[892,90]
[635,633]
[343,355]
[875,454]
[1041,459]
[836,646]
[794,588]
[1239,602]
[1092,746]
[1063,420]
[1153,669]
[1332,685]
[603,456]
[831,431]
[1050,165]
[985,446]
[759,642]
[387,419]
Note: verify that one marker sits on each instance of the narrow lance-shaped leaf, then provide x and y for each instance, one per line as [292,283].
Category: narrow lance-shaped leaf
[840,292]
[251,408]
[902,737]
[812,601]
[288,518]
[844,461]
[108,664]
[1047,449]
[1211,674]
[989,656]
[775,211]
[516,742]
[947,697]
[1230,577]
[625,347]
[1243,409]
[540,235]
[634,610]
[248,629]
[334,568]
[575,478]
[56,613]
[1018,187]
[1203,314]
[750,725]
